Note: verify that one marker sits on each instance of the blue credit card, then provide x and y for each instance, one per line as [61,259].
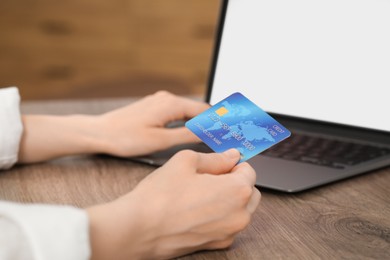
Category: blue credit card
[236,122]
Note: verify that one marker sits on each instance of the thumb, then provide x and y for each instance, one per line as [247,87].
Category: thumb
[218,163]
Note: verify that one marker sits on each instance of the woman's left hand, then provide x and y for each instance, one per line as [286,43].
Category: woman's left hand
[140,128]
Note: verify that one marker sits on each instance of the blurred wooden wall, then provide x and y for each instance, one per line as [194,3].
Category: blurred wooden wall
[106,48]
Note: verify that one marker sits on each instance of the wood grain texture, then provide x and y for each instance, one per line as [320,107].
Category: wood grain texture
[96,48]
[344,220]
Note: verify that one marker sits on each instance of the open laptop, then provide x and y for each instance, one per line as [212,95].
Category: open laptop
[322,69]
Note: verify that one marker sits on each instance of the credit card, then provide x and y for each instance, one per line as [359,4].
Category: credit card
[237,122]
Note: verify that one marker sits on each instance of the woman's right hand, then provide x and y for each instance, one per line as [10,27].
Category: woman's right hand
[194,202]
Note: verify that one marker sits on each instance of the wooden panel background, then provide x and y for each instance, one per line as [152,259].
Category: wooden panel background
[99,48]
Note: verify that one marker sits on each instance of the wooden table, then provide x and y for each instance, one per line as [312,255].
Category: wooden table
[345,220]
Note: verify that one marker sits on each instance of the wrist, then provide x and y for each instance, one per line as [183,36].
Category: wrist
[88,134]
[82,134]
[47,137]
[117,231]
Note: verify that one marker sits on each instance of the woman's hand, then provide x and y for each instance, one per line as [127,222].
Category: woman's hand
[194,202]
[139,128]
[136,129]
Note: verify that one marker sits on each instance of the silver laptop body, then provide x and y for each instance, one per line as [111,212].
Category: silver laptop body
[320,68]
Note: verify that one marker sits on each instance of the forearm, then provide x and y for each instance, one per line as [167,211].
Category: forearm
[48,137]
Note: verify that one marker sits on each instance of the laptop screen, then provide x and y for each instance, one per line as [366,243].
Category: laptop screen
[326,60]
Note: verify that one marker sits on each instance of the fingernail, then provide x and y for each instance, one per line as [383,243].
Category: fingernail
[232,153]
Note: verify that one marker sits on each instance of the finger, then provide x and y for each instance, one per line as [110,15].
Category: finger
[221,244]
[254,201]
[189,107]
[177,107]
[177,136]
[217,163]
[245,172]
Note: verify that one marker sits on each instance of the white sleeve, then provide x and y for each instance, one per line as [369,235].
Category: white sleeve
[10,127]
[35,231]
[43,232]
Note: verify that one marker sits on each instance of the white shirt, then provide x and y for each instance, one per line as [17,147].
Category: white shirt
[35,231]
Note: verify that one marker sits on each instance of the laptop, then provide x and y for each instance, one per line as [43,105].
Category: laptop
[322,69]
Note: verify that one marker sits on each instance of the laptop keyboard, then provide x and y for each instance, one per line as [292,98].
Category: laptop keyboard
[325,152]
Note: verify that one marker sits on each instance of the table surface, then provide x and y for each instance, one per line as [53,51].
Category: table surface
[345,220]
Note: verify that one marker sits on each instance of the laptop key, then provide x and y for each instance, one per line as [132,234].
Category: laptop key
[325,152]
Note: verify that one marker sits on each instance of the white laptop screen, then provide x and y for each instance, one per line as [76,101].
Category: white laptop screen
[326,60]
